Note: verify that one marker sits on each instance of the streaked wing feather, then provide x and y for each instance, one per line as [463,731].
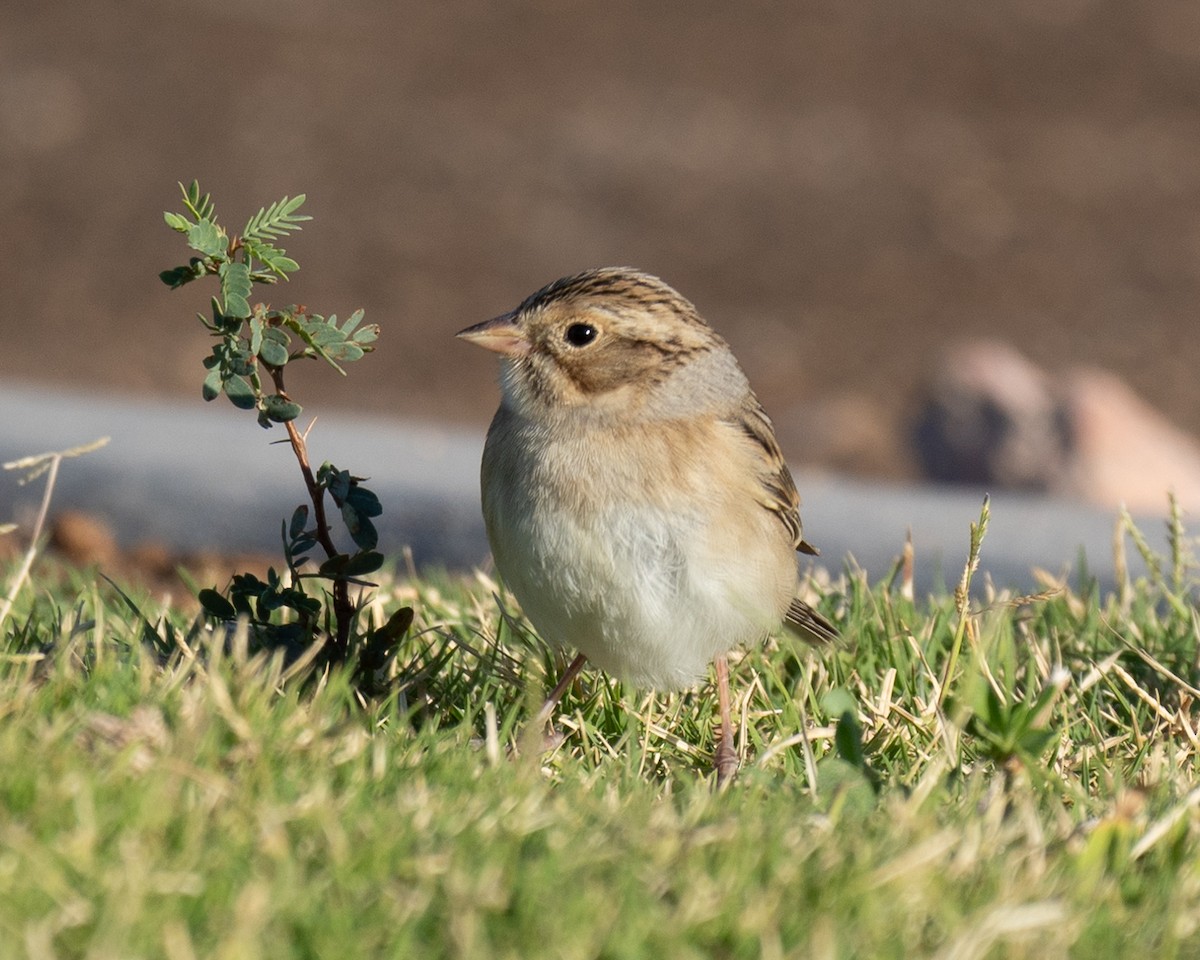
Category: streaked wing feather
[779,493]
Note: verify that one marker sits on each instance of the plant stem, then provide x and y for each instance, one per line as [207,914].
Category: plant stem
[343,608]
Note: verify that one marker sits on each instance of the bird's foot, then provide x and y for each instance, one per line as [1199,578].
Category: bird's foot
[725,760]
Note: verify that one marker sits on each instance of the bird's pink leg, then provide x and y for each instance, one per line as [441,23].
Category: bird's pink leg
[543,716]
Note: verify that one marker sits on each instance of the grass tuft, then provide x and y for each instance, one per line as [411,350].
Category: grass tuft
[972,775]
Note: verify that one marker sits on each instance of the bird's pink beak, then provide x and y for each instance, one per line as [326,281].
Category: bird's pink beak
[500,334]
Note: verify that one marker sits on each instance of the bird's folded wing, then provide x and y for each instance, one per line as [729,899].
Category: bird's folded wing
[779,493]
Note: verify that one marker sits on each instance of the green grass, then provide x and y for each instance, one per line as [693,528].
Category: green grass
[163,796]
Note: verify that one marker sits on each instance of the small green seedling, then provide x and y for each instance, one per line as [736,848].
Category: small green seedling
[255,343]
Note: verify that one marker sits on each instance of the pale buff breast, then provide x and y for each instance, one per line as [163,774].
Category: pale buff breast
[644,548]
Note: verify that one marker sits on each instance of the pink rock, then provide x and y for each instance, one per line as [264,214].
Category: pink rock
[994,418]
[1123,450]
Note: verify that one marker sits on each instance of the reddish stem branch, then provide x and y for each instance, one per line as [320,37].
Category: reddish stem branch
[343,609]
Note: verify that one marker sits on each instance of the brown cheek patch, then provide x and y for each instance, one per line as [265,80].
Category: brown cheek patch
[610,365]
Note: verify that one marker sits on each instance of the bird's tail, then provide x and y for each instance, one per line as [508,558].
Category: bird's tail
[809,624]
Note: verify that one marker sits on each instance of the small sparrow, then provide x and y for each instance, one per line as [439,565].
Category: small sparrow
[635,497]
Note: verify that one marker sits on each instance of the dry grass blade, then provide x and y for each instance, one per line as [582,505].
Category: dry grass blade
[1161,827]
[37,465]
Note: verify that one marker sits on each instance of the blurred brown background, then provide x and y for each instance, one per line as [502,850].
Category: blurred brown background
[842,189]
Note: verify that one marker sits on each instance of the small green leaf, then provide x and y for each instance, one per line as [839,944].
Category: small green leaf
[216,605]
[271,256]
[304,330]
[364,501]
[277,220]
[334,566]
[300,544]
[368,561]
[367,334]
[212,384]
[358,564]
[336,481]
[273,353]
[206,237]
[345,351]
[240,392]
[176,222]
[279,409]
[324,333]
[199,204]
[256,334]
[362,530]
[299,521]
[235,288]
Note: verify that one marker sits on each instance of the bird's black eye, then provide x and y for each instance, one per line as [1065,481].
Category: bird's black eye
[580,334]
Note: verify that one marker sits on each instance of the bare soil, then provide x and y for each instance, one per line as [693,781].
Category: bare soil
[843,189]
